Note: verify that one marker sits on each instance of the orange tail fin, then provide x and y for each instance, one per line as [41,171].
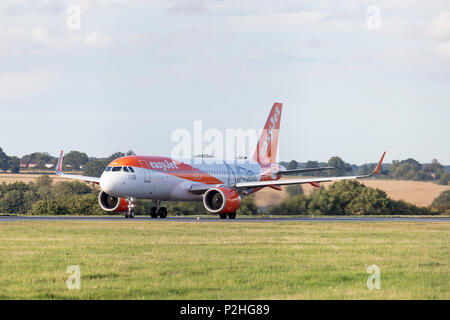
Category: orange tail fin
[266,150]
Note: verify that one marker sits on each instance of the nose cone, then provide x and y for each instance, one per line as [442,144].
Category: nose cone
[109,184]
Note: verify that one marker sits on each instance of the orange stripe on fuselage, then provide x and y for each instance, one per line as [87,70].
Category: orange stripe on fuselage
[167,165]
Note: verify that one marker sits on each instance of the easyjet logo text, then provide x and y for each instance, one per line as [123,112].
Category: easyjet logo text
[272,123]
[165,165]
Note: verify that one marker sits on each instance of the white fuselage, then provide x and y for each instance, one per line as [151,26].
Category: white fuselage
[173,182]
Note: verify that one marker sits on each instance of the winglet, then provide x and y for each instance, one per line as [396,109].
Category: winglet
[59,165]
[377,170]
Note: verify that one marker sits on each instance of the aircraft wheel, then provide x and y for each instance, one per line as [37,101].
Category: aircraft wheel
[162,212]
[222,215]
[127,215]
[232,215]
[131,214]
[153,213]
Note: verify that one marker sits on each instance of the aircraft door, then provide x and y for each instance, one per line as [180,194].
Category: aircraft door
[145,167]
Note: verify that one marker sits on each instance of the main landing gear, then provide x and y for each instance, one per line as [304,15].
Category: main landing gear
[131,204]
[158,211]
[230,215]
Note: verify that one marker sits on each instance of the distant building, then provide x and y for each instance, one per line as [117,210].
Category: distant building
[27,163]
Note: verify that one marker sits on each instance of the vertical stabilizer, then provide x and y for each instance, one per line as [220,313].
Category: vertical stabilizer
[266,150]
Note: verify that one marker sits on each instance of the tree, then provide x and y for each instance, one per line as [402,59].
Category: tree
[405,169]
[294,190]
[39,158]
[369,201]
[116,155]
[11,202]
[313,164]
[293,205]
[29,198]
[423,176]
[48,206]
[284,164]
[248,206]
[130,153]
[442,202]
[95,168]
[445,179]
[43,186]
[434,167]
[76,159]
[69,188]
[14,164]
[344,192]
[366,168]
[342,167]
[322,202]
[3,161]
[402,207]
[292,165]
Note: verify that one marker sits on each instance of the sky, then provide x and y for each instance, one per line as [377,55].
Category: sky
[356,78]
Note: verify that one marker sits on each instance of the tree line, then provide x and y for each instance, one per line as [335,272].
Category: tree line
[43,197]
[350,197]
[73,161]
[408,169]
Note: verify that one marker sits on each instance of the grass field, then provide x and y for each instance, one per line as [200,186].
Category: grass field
[26,178]
[213,260]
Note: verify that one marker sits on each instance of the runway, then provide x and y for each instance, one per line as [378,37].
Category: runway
[213,219]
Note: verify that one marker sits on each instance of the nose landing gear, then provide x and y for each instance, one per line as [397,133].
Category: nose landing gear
[131,204]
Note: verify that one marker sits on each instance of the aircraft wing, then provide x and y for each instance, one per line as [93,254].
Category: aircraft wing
[301,181]
[73,176]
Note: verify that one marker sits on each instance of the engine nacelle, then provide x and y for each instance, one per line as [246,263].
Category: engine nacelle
[112,204]
[221,200]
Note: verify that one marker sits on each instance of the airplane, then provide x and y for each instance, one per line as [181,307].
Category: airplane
[219,184]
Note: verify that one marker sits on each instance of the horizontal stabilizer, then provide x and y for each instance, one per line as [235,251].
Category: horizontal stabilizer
[295,171]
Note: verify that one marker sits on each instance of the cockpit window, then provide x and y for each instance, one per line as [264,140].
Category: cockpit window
[125,169]
[131,169]
[108,169]
[116,168]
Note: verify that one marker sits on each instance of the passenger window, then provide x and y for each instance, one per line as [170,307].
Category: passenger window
[116,169]
[125,169]
[108,169]
[131,169]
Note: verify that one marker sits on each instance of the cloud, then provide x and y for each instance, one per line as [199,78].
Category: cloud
[400,54]
[97,39]
[279,20]
[19,84]
[443,49]
[188,7]
[439,26]
[14,40]
[39,35]
[36,6]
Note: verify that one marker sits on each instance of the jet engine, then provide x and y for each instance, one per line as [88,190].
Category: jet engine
[221,200]
[112,204]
